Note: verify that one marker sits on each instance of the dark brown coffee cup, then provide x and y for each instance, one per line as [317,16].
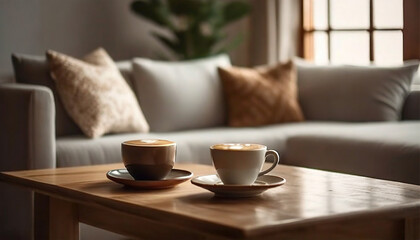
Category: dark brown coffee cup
[148,159]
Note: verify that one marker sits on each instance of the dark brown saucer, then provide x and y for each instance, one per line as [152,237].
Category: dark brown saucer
[175,177]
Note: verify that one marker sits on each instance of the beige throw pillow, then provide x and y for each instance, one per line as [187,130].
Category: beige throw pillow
[261,96]
[95,94]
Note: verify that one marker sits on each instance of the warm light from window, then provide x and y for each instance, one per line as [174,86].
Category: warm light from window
[348,14]
[387,13]
[388,47]
[350,47]
[349,32]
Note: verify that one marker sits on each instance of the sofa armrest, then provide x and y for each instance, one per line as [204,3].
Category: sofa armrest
[411,109]
[27,141]
[28,128]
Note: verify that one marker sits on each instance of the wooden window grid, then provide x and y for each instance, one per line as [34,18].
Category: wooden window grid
[410,30]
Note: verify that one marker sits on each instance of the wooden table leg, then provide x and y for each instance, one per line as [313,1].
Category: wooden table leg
[64,221]
[55,219]
[412,228]
[41,216]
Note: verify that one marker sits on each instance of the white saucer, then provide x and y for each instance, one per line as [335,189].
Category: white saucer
[214,184]
[175,177]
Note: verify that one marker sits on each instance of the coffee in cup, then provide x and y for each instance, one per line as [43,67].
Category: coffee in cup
[148,159]
[241,163]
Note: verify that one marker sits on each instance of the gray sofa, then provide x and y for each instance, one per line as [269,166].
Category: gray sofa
[29,140]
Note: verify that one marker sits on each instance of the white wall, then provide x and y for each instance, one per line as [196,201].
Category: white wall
[76,27]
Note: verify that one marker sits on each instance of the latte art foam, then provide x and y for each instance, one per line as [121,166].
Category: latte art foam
[149,142]
[238,146]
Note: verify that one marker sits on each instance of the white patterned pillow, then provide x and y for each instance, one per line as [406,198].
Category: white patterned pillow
[95,94]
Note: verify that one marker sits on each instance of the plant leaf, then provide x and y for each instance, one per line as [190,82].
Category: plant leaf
[174,46]
[233,11]
[152,10]
[184,7]
[231,45]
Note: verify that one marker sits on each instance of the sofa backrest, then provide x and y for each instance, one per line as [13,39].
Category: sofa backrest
[126,69]
[34,70]
[354,93]
[411,109]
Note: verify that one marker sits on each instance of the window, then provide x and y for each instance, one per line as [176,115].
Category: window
[384,32]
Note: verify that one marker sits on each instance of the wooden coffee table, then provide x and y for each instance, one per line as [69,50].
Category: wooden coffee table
[312,204]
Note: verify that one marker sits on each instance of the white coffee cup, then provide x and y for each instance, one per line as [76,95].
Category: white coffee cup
[241,163]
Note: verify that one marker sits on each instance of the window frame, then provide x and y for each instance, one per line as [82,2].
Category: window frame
[410,30]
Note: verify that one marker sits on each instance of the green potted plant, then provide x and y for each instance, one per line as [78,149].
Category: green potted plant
[196,25]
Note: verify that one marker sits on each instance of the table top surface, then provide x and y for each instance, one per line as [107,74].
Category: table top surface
[308,195]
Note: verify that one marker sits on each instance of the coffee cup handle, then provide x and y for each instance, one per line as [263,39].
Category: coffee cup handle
[276,161]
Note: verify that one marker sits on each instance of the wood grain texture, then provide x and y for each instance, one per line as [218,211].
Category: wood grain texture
[64,220]
[312,201]
[412,226]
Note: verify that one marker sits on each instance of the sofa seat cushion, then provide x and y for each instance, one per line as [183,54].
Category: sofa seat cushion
[381,150]
[388,150]
[192,146]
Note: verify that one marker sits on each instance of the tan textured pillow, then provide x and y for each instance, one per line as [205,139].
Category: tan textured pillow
[95,94]
[262,95]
